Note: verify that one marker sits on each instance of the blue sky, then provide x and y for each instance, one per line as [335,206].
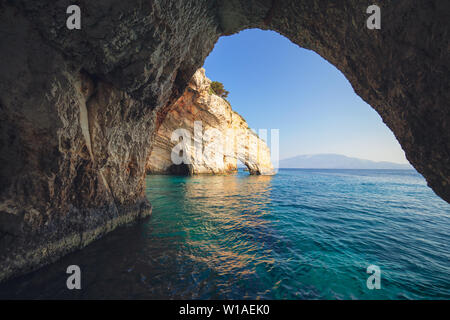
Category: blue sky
[274,84]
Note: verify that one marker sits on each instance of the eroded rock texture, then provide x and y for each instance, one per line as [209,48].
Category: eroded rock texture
[216,136]
[79,108]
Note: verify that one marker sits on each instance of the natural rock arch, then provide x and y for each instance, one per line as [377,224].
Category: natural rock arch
[216,136]
[77,107]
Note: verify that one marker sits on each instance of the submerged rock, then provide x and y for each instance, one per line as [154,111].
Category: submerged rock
[217,136]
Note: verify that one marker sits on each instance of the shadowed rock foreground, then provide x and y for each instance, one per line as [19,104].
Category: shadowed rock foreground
[79,109]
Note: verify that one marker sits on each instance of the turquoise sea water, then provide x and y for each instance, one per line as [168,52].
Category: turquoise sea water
[302,234]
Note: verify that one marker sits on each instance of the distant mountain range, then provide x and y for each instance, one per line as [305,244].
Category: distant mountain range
[337,161]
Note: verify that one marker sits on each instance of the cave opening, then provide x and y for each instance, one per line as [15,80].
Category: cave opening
[273,83]
[179,169]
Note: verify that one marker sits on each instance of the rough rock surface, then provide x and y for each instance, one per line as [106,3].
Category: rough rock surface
[78,108]
[216,136]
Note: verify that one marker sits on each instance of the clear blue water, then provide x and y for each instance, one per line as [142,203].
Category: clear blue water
[302,234]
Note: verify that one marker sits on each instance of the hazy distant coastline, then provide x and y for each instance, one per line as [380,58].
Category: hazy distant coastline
[338,161]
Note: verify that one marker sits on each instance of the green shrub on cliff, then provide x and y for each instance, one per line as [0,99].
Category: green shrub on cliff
[218,89]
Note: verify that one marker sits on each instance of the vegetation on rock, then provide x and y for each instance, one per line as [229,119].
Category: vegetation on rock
[218,89]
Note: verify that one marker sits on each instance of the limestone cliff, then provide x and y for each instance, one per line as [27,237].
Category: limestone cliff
[79,108]
[218,136]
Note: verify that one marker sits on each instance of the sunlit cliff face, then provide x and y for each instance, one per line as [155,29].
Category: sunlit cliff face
[202,134]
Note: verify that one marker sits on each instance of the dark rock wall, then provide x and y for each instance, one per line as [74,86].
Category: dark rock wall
[78,108]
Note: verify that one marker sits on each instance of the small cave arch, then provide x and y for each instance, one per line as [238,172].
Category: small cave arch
[248,166]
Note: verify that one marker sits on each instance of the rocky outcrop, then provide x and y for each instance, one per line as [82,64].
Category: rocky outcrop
[79,108]
[216,136]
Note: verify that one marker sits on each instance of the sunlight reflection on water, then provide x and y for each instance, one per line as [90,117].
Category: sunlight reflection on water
[301,234]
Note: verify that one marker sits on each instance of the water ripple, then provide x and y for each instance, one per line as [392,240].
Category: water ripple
[302,234]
